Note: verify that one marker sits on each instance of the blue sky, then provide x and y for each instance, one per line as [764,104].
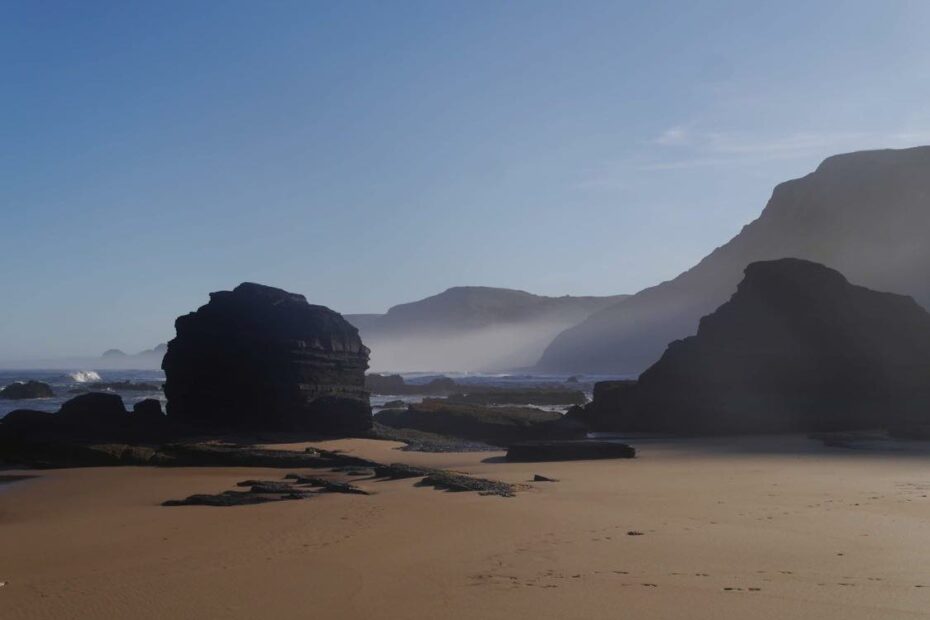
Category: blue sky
[367,154]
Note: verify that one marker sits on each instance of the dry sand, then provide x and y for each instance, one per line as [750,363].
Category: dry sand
[749,528]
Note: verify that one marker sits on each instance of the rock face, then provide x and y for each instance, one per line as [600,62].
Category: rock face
[864,214]
[797,348]
[29,389]
[259,357]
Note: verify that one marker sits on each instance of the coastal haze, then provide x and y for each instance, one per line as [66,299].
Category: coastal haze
[513,311]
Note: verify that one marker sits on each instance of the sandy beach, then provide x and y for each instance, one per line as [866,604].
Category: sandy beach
[741,528]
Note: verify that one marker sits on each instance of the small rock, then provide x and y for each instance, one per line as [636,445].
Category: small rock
[634,533]
[539,478]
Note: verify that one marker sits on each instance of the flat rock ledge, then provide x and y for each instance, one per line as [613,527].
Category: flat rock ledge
[296,486]
[569,450]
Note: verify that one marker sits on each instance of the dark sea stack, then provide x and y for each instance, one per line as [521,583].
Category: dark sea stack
[796,349]
[261,358]
[27,390]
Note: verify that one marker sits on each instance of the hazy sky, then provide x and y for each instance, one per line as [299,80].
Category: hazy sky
[367,154]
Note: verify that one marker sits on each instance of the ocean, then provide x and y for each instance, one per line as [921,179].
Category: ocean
[67,384]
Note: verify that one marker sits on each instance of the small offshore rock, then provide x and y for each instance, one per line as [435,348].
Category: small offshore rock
[27,390]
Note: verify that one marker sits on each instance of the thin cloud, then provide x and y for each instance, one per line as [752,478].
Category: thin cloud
[730,149]
[674,136]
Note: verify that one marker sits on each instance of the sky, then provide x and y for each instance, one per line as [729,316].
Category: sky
[369,154]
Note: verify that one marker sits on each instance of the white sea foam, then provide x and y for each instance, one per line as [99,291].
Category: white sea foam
[84,376]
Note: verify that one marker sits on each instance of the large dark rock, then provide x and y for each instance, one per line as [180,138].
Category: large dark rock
[797,348]
[29,389]
[94,410]
[498,426]
[262,358]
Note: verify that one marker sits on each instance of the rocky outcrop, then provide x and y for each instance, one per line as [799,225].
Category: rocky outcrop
[608,398]
[578,450]
[863,213]
[546,396]
[259,357]
[498,426]
[94,417]
[395,385]
[149,409]
[94,410]
[797,348]
[27,390]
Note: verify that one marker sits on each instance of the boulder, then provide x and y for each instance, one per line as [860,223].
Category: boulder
[26,422]
[148,411]
[94,410]
[385,384]
[600,413]
[261,358]
[395,385]
[27,390]
[796,349]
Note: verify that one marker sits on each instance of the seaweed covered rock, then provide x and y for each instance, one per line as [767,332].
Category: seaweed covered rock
[259,357]
[796,349]
[544,395]
[27,390]
[578,450]
[498,426]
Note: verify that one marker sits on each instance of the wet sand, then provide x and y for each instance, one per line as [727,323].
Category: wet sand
[749,528]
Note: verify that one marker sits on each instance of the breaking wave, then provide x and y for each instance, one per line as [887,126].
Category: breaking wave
[84,376]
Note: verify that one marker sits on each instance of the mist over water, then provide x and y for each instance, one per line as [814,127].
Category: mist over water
[496,348]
